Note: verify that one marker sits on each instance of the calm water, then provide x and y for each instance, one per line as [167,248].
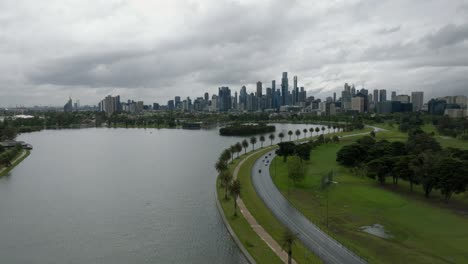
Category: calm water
[116,196]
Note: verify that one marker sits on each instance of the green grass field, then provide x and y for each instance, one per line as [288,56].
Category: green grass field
[423,231]
[7,170]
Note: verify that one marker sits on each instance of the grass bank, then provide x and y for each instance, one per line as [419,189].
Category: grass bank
[421,232]
[5,170]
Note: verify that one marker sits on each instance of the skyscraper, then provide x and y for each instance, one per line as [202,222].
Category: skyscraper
[68,107]
[417,98]
[334,97]
[224,99]
[394,96]
[353,91]
[284,89]
[296,91]
[259,89]
[383,95]
[376,96]
[207,97]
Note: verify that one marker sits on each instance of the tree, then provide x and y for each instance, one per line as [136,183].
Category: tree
[298,133]
[253,140]
[336,139]
[287,242]
[226,155]
[323,130]
[334,128]
[366,141]
[281,136]
[305,132]
[419,142]
[290,134]
[235,190]
[317,130]
[303,151]
[372,133]
[329,126]
[351,155]
[295,170]
[245,145]
[311,130]
[226,178]
[220,166]
[403,170]
[262,139]
[451,176]
[286,149]
[271,137]
[423,166]
[380,168]
[238,148]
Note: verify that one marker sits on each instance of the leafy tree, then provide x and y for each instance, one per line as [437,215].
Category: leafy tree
[303,151]
[423,165]
[305,132]
[298,133]
[232,150]
[380,168]
[262,139]
[253,140]
[281,136]
[220,166]
[311,130]
[226,178]
[351,155]
[452,176]
[403,170]
[235,190]
[295,170]
[286,149]
[245,145]
[317,130]
[226,155]
[366,141]
[336,139]
[372,133]
[271,137]
[290,134]
[287,242]
[323,130]
[419,142]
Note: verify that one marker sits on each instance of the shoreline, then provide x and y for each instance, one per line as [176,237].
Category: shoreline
[24,154]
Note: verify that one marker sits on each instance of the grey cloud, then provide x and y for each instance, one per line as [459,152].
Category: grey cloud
[389,30]
[448,35]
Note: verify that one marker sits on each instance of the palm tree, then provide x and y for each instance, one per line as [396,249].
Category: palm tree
[329,129]
[281,136]
[271,137]
[235,189]
[298,133]
[238,148]
[253,140]
[311,130]
[220,166]
[232,150]
[323,130]
[290,134]
[245,145]
[305,132]
[262,139]
[317,130]
[288,240]
[226,178]
[334,128]
[226,155]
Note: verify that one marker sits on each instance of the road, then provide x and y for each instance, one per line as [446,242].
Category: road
[329,250]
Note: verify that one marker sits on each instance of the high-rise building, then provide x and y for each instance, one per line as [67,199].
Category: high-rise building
[334,96]
[284,89]
[383,95]
[394,96]
[177,102]
[353,91]
[224,99]
[68,107]
[296,91]
[110,105]
[207,97]
[170,105]
[357,104]
[402,98]
[417,98]
[376,96]
[259,89]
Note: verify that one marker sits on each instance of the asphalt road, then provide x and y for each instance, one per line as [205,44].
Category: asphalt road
[329,250]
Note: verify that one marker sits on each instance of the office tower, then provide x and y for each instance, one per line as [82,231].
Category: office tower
[357,104]
[170,104]
[376,96]
[259,89]
[334,97]
[110,105]
[68,107]
[207,97]
[402,98]
[177,102]
[417,98]
[235,104]
[224,99]
[303,95]
[296,91]
[394,96]
[347,88]
[269,98]
[383,95]
[284,89]
[353,91]
[371,98]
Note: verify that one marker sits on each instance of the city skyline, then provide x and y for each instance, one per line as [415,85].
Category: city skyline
[88,51]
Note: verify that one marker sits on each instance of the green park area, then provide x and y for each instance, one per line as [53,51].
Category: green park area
[406,227]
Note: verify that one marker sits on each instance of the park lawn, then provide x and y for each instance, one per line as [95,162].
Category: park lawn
[445,141]
[422,233]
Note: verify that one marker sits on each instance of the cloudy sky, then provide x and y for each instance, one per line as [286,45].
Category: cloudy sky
[153,50]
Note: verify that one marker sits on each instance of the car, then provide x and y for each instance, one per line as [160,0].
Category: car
[269,154]
[259,171]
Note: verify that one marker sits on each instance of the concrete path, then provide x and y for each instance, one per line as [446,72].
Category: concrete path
[254,224]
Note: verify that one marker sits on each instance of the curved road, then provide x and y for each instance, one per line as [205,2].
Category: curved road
[328,249]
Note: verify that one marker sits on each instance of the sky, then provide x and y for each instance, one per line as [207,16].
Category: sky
[154,50]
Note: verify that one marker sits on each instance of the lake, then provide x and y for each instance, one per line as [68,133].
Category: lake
[117,196]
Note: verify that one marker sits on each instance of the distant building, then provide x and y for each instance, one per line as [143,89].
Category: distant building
[402,98]
[68,107]
[110,105]
[357,104]
[436,106]
[456,113]
[284,89]
[224,99]
[388,107]
[376,96]
[259,89]
[383,95]
[417,98]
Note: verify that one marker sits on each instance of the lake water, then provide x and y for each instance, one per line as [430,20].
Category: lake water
[117,196]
